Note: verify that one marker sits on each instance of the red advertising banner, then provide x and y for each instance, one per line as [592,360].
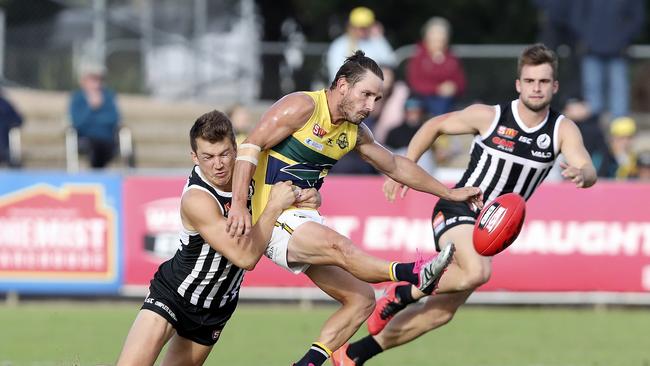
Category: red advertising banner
[151,224]
[596,239]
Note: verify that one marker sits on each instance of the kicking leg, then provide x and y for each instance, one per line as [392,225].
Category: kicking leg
[146,338]
[357,301]
[313,243]
[467,271]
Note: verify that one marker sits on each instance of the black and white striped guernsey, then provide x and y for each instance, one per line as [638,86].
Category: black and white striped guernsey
[511,157]
[198,273]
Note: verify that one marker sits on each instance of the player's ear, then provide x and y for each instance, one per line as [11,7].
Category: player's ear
[195,158]
[556,86]
[518,85]
[342,85]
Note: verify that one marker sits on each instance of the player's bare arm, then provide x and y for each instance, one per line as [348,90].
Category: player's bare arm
[200,212]
[475,119]
[578,167]
[284,117]
[406,171]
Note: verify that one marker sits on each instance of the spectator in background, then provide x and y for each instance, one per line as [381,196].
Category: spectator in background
[558,34]
[434,73]
[594,139]
[9,118]
[399,137]
[643,165]
[606,29]
[622,131]
[95,116]
[363,33]
[241,121]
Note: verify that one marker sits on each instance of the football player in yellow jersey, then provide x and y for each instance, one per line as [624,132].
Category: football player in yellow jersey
[299,138]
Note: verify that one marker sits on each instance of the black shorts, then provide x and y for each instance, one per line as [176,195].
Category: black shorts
[447,214]
[195,323]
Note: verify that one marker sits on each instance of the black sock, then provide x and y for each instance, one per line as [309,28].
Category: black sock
[404,294]
[314,357]
[404,272]
[364,349]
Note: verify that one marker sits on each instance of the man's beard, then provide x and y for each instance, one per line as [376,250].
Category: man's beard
[536,108]
[344,107]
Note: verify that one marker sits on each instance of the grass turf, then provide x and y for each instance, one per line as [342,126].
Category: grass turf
[92,333]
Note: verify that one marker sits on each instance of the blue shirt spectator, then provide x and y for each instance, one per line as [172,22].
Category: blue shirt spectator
[95,117]
[9,118]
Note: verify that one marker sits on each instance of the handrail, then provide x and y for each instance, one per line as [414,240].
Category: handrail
[125,142]
[71,150]
[15,147]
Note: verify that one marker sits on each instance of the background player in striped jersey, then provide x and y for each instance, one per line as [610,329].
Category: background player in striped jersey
[193,294]
[301,137]
[514,148]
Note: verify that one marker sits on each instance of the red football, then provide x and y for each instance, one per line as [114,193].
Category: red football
[499,224]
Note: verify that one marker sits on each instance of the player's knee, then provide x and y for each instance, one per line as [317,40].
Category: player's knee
[341,248]
[363,301]
[474,277]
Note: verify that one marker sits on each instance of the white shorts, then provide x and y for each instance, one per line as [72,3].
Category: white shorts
[289,221]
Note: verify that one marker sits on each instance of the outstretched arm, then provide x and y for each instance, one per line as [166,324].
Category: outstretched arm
[475,119]
[578,169]
[408,172]
[283,118]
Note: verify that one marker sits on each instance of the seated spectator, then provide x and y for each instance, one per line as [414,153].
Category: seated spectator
[622,131]
[9,118]
[399,137]
[389,112]
[363,33]
[95,116]
[643,165]
[434,73]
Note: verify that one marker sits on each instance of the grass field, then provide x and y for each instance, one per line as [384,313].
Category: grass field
[92,333]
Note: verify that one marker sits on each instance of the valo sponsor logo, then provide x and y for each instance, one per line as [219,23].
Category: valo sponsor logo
[541,154]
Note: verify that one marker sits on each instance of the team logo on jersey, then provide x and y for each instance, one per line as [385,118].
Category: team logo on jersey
[507,132]
[525,140]
[342,141]
[318,130]
[543,141]
[503,144]
[316,145]
[307,175]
